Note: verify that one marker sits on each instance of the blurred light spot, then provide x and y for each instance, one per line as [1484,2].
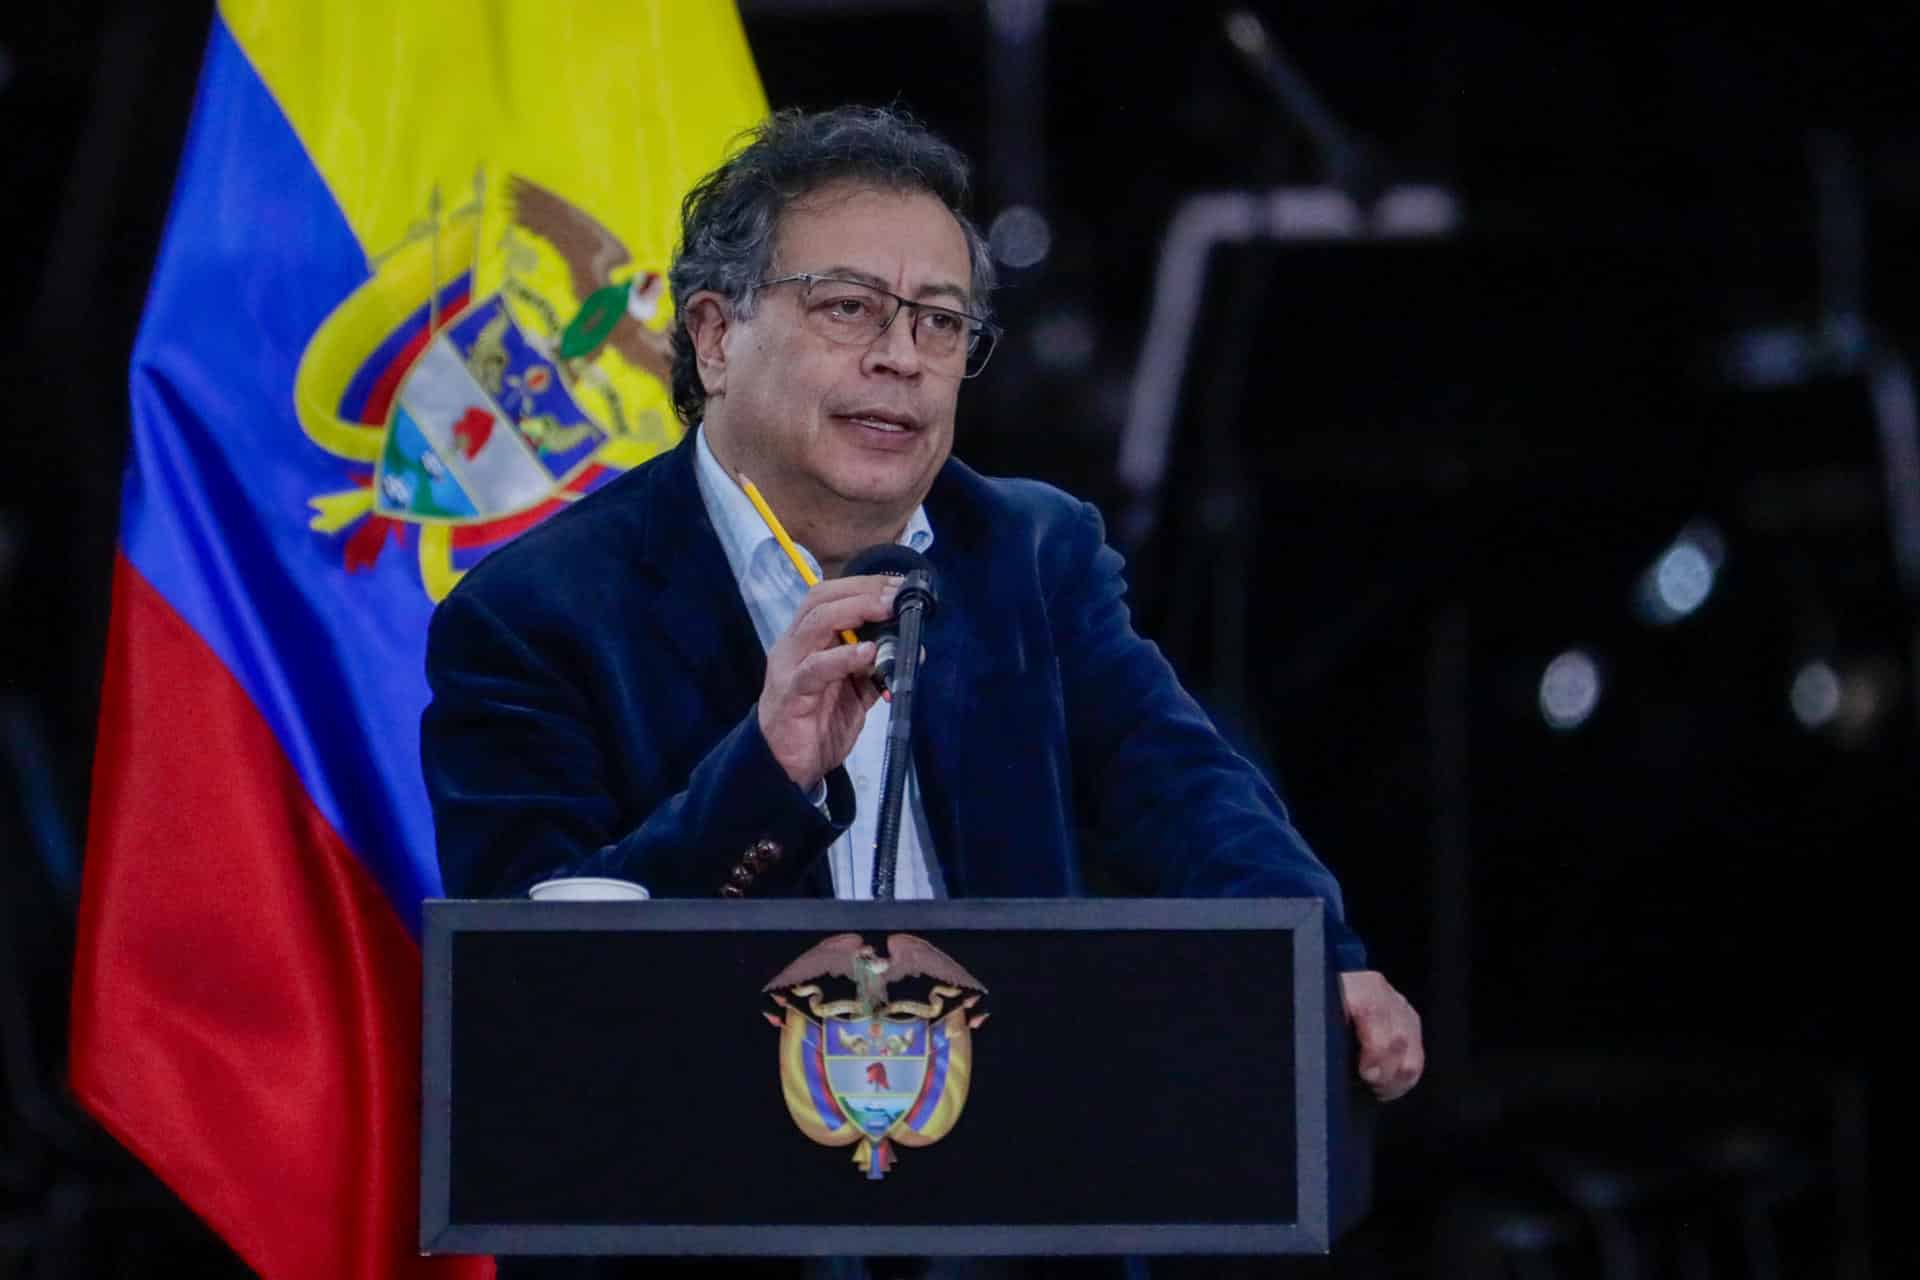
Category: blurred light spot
[1569,690]
[1528,1233]
[1020,236]
[1815,695]
[1064,340]
[1869,691]
[1248,33]
[1682,577]
[1016,19]
[1769,358]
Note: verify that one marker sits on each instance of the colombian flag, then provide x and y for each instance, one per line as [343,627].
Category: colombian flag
[410,300]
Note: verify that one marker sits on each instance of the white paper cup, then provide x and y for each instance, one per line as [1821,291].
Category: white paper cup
[588,889]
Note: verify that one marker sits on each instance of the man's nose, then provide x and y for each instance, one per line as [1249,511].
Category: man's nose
[893,348]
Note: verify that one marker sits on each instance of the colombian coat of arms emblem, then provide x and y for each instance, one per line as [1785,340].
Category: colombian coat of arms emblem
[504,359]
[873,1070]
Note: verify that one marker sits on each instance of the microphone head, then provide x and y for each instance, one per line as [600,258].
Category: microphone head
[897,561]
[916,587]
[888,557]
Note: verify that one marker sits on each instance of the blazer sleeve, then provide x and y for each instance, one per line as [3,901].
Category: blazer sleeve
[515,756]
[1180,808]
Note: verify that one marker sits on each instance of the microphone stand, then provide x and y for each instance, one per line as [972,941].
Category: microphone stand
[911,606]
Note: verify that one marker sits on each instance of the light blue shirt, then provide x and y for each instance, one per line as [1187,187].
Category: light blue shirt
[772,589]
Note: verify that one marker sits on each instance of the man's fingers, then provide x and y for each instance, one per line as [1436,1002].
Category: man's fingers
[1386,1027]
[1395,1073]
[818,671]
[1396,1059]
[823,614]
[867,584]
[840,588]
[1373,1024]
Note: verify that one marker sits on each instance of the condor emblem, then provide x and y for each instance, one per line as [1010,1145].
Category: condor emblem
[874,1070]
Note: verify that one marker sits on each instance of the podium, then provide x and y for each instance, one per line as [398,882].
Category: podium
[985,1078]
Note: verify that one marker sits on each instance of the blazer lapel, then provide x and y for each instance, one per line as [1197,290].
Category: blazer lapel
[960,645]
[699,599]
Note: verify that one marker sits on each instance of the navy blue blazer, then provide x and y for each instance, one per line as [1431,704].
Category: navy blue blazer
[593,713]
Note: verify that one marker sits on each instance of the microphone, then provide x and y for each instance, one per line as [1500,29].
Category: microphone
[916,595]
[897,645]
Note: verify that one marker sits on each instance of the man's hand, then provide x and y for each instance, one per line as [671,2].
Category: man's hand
[818,688]
[1391,1053]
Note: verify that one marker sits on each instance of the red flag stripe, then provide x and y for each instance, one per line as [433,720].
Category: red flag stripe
[243,990]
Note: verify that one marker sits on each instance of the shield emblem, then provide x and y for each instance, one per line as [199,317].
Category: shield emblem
[484,425]
[881,1069]
[876,1069]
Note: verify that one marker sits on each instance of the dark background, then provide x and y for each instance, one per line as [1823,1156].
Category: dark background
[1655,950]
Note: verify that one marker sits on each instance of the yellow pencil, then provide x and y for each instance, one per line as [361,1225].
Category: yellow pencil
[786,543]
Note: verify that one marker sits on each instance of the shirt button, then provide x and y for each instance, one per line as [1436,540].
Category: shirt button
[861,780]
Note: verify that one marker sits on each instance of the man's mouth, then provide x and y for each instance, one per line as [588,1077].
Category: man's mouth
[885,420]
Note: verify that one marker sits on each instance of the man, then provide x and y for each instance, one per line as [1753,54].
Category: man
[641,688]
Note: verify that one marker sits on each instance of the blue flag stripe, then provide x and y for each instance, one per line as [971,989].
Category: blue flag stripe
[216,504]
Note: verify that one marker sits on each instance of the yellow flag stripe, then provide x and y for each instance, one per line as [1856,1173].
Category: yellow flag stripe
[617,104]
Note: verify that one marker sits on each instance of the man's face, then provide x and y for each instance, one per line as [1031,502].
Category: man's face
[820,423]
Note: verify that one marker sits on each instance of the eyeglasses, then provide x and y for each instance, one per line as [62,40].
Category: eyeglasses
[854,314]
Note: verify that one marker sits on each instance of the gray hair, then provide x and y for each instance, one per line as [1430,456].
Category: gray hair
[728,220]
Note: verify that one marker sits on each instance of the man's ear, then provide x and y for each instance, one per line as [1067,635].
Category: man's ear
[707,316]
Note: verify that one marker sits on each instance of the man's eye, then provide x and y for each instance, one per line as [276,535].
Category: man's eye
[943,321]
[848,308]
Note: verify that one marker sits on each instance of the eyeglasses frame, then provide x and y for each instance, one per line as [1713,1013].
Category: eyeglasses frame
[977,326]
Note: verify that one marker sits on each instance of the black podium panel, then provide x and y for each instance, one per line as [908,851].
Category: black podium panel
[1136,1076]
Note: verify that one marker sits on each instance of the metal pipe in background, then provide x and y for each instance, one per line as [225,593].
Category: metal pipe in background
[1017,100]
[1289,215]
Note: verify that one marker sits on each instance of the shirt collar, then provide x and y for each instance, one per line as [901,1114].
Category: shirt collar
[743,533]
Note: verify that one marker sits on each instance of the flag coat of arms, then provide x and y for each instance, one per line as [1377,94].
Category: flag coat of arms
[410,301]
